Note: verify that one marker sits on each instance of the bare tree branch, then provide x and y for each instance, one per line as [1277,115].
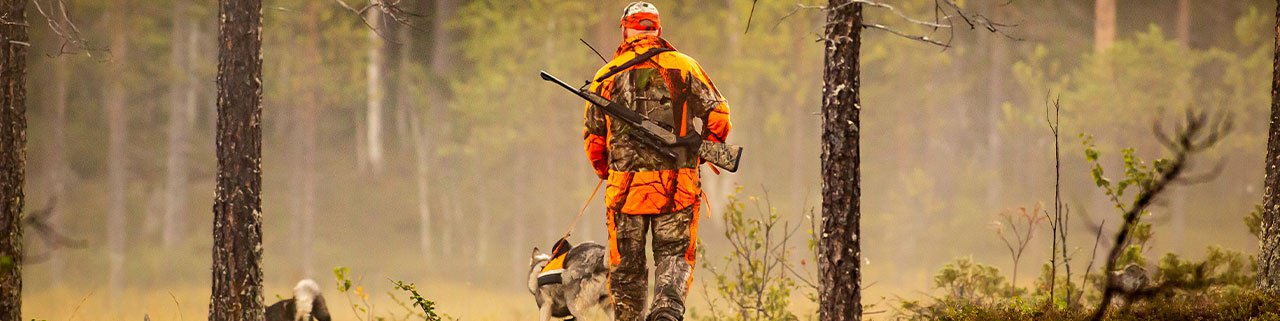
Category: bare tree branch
[1198,132]
[945,11]
[388,8]
[59,20]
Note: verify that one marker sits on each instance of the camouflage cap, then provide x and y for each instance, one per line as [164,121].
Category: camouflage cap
[641,15]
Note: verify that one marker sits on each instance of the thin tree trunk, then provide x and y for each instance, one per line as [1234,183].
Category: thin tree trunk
[181,109]
[839,253]
[60,172]
[237,206]
[404,85]
[376,69]
[1178,203]
[1184,23]
[117,162]
[996,72]
[1104,25]
[1269,258]
[422,148]
[305,138]
[13,153]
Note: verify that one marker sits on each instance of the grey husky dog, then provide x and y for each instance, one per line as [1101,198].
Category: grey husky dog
[583,285]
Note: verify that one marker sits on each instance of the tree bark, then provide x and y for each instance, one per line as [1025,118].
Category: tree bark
[377,67]
[117,156]
[839,252]
[181,115]
[13,153]
[237,207]
[1104,25]
[1269,258]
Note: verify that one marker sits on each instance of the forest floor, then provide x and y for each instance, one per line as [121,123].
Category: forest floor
[459,300]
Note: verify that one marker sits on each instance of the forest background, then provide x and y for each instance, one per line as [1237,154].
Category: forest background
[433,153]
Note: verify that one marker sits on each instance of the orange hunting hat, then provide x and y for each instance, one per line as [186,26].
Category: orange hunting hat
[641,15]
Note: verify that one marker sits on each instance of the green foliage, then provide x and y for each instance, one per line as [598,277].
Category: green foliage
[1254,221]
[1221,267]
[964,279]
[415,306]
[427,307]
[753,281]
[1137,175]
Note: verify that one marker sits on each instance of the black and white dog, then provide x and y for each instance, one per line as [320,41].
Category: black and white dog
[583,284]
[306,305]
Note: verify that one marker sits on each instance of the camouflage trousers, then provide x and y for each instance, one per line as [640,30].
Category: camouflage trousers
[674,252]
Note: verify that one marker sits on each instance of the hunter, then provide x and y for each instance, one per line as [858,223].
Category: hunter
[647,192]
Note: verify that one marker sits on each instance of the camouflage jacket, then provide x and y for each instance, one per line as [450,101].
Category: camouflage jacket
[671,89]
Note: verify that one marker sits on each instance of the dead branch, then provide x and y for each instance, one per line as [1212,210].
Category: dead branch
[53,240]
[59,20]
[388,8]
[1198,133]
[945,12]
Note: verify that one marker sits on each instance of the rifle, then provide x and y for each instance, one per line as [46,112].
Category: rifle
[650,133]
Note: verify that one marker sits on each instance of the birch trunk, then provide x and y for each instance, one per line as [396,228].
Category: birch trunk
[373,116]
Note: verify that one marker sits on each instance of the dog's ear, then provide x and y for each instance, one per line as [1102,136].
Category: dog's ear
[536,251]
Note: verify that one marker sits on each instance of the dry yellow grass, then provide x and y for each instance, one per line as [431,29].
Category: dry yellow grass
[192,303]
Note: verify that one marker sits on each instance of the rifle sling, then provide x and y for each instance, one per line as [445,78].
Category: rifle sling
[634,61]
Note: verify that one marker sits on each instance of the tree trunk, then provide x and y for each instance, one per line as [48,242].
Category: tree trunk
[1104,25]
[304,132]
[376,69]
[839,252]
[237,207]
[422,149]
[1184,23]
[1269,258]
[117,162]
[60,172]
[13,153]
[181,115]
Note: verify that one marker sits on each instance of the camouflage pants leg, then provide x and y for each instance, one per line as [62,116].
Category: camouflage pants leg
[628,274]
[674,245]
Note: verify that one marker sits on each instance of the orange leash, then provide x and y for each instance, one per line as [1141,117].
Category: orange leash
[583,210]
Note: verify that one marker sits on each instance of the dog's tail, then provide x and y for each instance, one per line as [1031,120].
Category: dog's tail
[304,295]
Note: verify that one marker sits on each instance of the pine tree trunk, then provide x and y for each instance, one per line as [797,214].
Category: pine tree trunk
[181,111]
[376,69]
[13,153]
[1104,25]
[117,162]
[237,208]
[839,252]
[1269,258]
